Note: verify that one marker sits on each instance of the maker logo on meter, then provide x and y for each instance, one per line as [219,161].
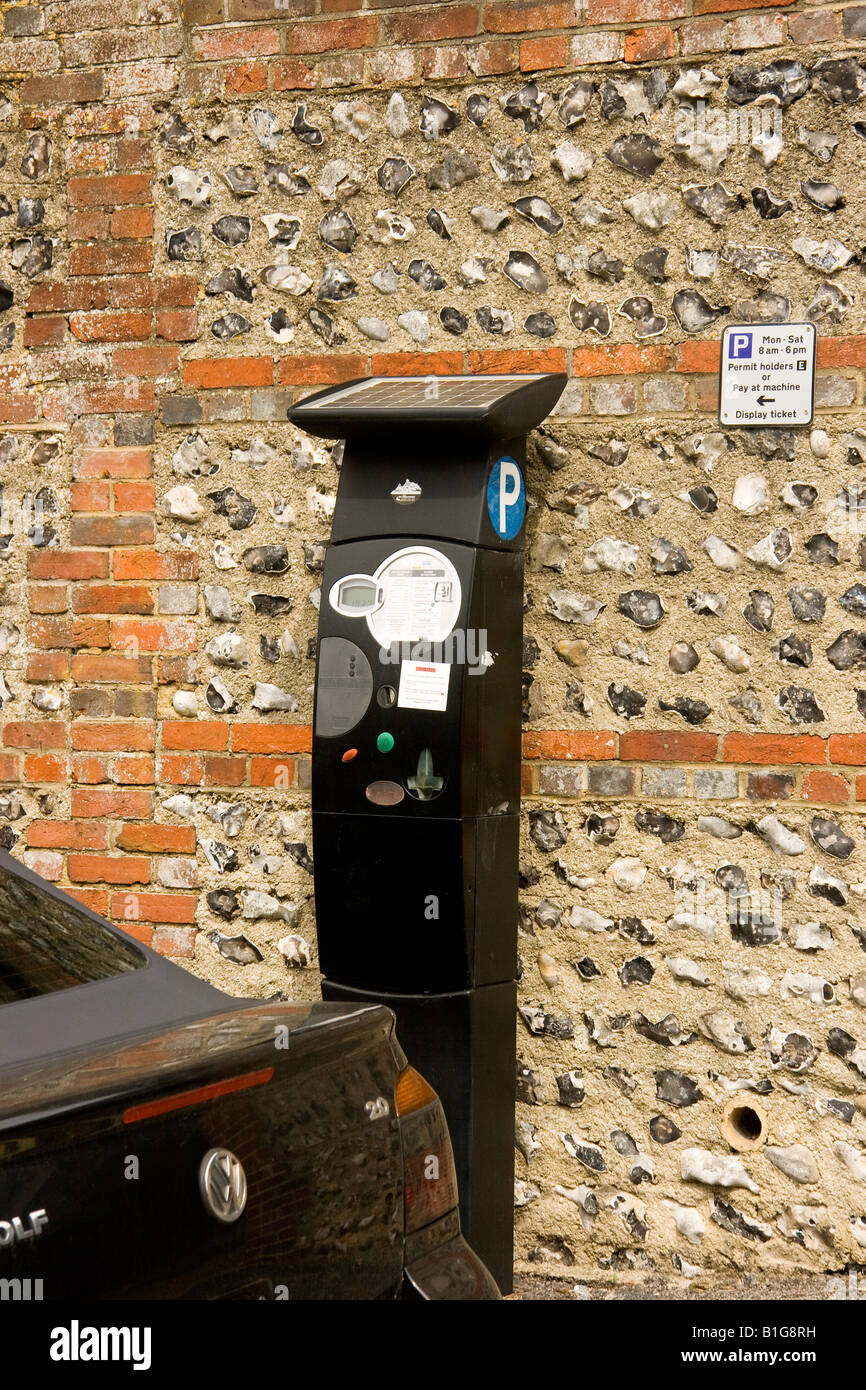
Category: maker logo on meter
[414,596]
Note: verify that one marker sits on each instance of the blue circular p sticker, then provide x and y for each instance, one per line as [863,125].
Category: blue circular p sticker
[506,498]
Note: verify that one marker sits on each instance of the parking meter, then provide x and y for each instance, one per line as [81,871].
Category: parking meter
[416,742]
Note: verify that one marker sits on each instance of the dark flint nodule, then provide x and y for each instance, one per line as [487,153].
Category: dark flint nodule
[839,79]
[713,201]
[236,948]
[665,827]
[336,285]
[703,498]
[759,612]
[637,154]
[36,163]
[797,651]
[524,271]
[527,106]
[651,264]
[637,971]
[239,510]
[822,549]
[676,1089]
[604,267]
[32,255]
[241,180]
[175,134]
[490,319]
[800,705]
[633,929]
[234,281]
[436,222]
[184,245]
[593,316]
[840,1043]
[547,830]
[570,1088]
[284,180]
[574,102]
[601,830]
[477,108]
[224,902]
[693,312]
[338,231]
[587,968]
[325,327]
[232,231]
[736,1223]
[784,81]
[848,652]
[426,276]
[648,324]
[539,211]
[230,326]
[625,701]
[266,559]
[824,196]
[854,600]
[642,606]
[279,321]
[668,558]
[300,126]
[541,325]
[830,837]
[394,174]
[663,1130]
[452,320]
[807,603]
[768,206]
[692,711]
[271,605]
[31,211]
[269,649]
[437,118]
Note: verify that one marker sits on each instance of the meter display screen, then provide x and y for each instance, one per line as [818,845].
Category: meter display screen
[356,595]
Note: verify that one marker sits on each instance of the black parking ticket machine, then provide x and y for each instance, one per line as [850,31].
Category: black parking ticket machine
[416,742]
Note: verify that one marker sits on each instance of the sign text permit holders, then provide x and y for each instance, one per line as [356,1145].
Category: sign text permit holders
[768,374]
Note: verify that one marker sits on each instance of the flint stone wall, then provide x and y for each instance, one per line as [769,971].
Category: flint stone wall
[208,213]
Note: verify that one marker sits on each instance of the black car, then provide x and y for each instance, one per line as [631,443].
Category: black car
[159,1139]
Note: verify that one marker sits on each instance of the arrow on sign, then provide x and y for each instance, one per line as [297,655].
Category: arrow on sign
[765,400]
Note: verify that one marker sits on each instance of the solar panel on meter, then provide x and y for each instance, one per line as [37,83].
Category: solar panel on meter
[492,405]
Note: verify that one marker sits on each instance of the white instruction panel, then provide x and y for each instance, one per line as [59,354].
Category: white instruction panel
[768,374]
[420,597]
[424,684]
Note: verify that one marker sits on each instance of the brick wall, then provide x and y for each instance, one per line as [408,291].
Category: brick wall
[163,531]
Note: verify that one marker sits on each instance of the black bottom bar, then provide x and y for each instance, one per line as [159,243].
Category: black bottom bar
[464,1044]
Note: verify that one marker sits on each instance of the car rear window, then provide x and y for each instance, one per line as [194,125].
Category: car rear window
[48,944]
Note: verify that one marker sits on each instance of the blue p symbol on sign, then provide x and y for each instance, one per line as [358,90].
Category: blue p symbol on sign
[740,345]
[506,498]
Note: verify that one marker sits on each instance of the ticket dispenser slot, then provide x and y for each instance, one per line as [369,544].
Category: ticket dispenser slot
[416,742]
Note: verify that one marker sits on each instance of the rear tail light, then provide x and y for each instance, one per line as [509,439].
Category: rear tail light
[430,1182]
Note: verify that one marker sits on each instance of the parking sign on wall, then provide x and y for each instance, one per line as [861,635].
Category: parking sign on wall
[768,374]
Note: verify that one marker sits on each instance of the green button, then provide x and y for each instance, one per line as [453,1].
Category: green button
[385,742]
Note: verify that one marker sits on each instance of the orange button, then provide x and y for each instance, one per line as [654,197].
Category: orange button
[349,754]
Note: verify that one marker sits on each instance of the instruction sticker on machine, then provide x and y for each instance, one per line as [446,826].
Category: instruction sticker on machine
[768,374]
[420,597]
[424,684]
